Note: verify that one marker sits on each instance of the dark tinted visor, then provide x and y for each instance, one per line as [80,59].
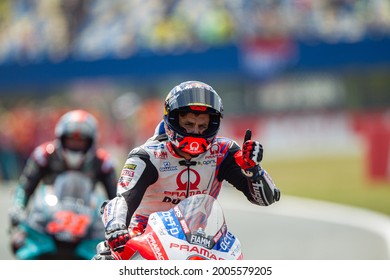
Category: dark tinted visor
[76,144]
[195,97]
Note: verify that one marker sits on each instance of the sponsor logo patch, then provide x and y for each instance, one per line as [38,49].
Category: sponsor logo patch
[130,166]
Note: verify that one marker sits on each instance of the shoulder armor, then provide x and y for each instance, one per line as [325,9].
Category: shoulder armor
[106,160]
[159,138]
[139,152]
[102,154]
[42,153]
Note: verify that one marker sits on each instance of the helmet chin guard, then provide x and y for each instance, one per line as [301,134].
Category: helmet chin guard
[73,159]
[192,145]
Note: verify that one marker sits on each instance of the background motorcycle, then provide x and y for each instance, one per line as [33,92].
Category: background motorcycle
[63,221]
[195,229]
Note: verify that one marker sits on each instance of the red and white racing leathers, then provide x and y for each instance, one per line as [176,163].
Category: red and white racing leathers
[154,178]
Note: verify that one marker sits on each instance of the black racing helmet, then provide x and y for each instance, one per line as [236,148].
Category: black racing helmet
[195,97]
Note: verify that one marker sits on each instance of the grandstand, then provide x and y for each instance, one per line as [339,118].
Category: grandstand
[36,31]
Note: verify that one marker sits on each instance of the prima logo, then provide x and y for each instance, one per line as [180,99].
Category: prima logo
[194,146]
[182,180]
[214,149]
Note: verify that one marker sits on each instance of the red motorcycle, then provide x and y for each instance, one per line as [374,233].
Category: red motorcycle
[195,229]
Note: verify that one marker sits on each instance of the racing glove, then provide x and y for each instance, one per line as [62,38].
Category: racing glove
[114,220]
[249,157]
[116,236]
[103,252]
[263,190]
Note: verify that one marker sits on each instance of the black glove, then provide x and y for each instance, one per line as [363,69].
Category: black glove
[250,156]
[116,236]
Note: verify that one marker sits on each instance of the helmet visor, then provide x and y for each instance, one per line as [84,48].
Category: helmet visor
[194,97]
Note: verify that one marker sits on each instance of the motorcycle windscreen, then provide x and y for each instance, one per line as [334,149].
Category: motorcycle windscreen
[71,214]
[73,185]
[202,220]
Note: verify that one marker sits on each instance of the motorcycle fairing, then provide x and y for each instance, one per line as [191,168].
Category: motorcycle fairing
[170,222]
[35,245]
[177,247]
[181,233]
[148,245]
[43,236]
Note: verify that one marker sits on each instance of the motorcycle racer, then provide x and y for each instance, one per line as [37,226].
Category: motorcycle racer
[189,158]
[74,148]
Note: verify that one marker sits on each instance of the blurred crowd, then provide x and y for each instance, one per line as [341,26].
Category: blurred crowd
[39,30]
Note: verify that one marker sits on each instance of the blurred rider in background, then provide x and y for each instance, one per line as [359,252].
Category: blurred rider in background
[74,148]
[185,157]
